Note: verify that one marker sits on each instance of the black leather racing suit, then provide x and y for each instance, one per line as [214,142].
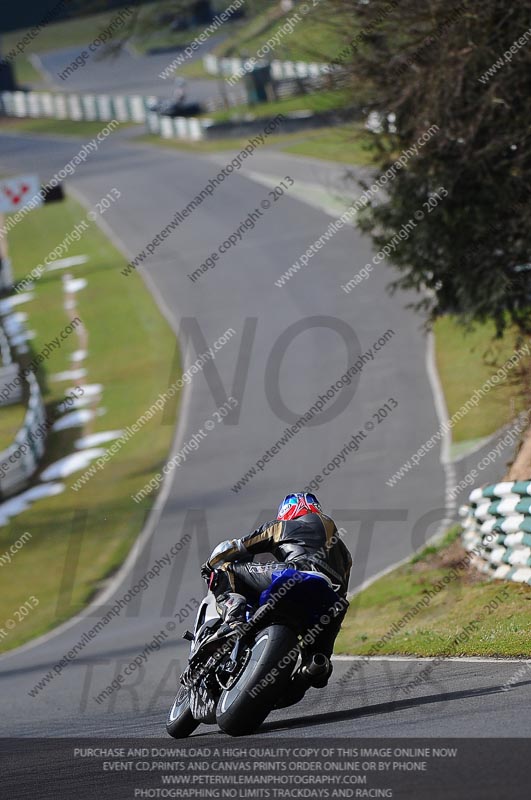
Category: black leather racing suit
[310,542]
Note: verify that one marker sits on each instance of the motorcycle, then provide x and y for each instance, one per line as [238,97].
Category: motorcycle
[235,678]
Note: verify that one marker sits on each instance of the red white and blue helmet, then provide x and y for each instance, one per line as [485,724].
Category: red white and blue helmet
[297,504]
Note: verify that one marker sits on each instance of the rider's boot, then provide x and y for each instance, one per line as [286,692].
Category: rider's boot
[232,607]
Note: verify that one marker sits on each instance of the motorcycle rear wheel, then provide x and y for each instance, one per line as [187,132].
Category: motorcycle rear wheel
[241,711]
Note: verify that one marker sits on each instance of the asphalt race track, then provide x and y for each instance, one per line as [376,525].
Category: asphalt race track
[383,524]
[124,73]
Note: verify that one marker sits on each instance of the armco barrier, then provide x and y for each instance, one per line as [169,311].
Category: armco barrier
[20,461]
[85,107]
[5,349]
[11,390]
[497,526]
[8,374]
[6,272]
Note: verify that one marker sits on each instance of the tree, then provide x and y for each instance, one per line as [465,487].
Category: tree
[428,64]
[465,68]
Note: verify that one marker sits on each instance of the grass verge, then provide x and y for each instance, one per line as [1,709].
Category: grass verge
[27,74]
[346,144]
[80,538]
[315,101]
[56,127]
[73,32]
[465,360]
[195,70]
[457,621]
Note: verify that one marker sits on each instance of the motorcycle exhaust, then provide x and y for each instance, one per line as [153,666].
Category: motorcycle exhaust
[317,671]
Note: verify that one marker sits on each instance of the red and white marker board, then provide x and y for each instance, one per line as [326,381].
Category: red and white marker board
[16,192]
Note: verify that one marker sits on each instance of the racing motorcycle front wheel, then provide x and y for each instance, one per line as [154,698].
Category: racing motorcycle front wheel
[267,666]
[180,722]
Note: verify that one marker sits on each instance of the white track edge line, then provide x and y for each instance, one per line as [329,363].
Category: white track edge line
[448,467]
[466,659]
[444,420]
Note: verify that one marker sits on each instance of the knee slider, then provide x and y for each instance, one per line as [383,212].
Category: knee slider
[234,607]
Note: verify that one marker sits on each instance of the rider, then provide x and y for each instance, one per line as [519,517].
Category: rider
[301,537]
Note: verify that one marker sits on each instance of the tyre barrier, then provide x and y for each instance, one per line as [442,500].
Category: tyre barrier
[78,107]
[497,529]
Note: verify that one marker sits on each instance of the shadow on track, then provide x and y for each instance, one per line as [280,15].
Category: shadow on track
[381,708]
